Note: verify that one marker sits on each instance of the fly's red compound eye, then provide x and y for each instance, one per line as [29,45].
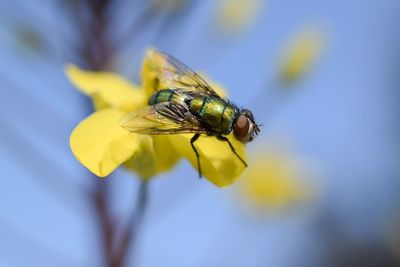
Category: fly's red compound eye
[241,128]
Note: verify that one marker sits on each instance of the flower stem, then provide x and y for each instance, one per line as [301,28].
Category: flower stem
[97,51]
[129,238]
[106,226]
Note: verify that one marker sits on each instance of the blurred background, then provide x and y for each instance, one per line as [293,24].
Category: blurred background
[323,182]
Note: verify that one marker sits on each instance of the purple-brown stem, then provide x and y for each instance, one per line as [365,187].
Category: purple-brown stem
[106,225]
[97,52]
[131,231]
[93,48]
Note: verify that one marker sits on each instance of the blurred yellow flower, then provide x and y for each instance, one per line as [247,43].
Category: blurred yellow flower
[234,15]
[273,180]
[101,144]
[301,52]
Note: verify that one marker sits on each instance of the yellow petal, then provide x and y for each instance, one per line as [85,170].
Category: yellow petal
[107,89]
[100,144]
[155,155]
[152,69]
[218,164]
[119,97]
[167,155]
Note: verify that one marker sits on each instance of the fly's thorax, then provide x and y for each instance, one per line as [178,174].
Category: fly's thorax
[196,104]
[229,116]
[214,113]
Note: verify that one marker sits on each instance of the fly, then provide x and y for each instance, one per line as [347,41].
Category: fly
[188,104]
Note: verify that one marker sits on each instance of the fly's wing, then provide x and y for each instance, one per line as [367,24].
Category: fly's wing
[176,75]
[163,118]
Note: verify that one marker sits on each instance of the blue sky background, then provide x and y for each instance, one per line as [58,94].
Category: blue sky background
[343,115]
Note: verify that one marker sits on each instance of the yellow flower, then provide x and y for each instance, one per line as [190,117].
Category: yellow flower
[273,180]
[101,144]
[234,15]
[301,52]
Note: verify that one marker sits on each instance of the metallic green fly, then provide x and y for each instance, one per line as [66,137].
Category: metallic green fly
[188,104]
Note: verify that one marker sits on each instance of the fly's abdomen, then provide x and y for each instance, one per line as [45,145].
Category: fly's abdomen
[215,114]
[166,95]
[161,96]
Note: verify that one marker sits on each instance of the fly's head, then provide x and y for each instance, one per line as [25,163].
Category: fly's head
[244,127]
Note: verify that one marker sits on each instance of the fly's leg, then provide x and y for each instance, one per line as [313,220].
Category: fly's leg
[194,138]
[223,138]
